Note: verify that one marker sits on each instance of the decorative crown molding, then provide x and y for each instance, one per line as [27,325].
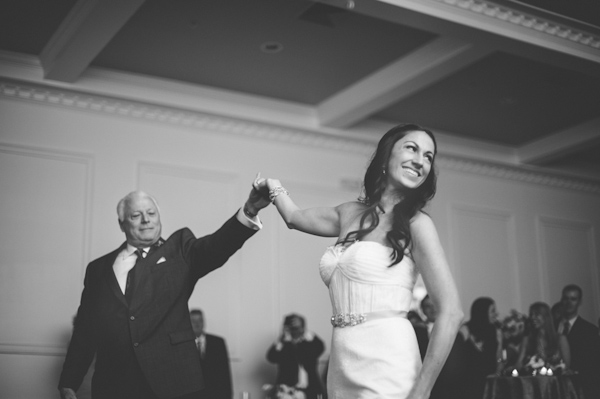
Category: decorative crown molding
[215,123]
[526,20]
[517,173]
[179,117]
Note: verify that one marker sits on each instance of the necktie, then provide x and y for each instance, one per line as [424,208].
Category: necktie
[566,326]
[201,345]
[131,275]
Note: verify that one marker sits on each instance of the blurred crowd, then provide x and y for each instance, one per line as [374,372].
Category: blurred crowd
[549,340]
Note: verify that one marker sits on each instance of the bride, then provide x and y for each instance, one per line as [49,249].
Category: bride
[384,240]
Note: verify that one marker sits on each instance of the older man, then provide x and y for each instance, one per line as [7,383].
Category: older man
[134,315]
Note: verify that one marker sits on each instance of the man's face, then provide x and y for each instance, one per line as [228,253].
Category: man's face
[295,328]
[141,223]
[197,323]
[571,301]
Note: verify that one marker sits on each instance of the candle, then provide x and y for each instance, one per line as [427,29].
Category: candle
[544,371]
[515,373]
[550,372]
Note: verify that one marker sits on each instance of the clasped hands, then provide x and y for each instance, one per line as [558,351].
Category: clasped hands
[259,195]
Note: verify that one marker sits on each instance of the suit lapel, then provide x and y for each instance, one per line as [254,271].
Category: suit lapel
[110,277]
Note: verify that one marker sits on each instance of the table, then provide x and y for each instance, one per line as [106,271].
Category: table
[533,387]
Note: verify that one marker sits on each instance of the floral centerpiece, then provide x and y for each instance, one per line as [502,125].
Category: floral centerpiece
[282,391]
[538,366]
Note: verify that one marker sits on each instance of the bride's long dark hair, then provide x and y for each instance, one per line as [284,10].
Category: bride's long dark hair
[413,200]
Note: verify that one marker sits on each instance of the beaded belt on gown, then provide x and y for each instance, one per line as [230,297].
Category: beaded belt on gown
[352,319]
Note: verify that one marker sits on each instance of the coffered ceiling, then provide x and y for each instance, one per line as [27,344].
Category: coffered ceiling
[523,76]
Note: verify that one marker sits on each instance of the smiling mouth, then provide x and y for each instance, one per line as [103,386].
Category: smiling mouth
[412,172]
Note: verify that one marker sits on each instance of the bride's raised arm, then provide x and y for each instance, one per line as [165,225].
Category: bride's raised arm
[320,221]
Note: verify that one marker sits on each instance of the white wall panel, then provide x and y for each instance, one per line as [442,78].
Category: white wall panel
[43,245]
[44,214]
[483,245]
[568,256]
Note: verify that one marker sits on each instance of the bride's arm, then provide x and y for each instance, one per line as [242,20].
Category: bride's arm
[431,261]
[322,221]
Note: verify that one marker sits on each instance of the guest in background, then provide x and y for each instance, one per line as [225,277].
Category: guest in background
[214,360]
[296,353]
[543,341]
[450,384]
[584,341]
[513,330]
[483,346]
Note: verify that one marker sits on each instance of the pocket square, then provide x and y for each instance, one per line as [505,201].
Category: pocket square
[161,260]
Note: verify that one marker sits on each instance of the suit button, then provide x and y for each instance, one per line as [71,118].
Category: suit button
[136,344]
[132,318]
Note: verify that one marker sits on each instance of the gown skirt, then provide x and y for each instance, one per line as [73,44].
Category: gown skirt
[376,359]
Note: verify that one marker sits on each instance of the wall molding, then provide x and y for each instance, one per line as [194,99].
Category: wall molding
[178,117]
[526,20]
[86,161]
[221,124]
[518,173]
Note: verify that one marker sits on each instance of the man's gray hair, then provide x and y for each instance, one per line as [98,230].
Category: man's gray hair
[125,200]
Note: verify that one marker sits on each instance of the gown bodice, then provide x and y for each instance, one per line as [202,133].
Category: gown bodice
[360,279]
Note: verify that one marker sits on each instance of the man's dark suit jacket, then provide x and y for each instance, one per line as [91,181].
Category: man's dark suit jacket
[291,355]
[155,329]
[584,343]
[216,370]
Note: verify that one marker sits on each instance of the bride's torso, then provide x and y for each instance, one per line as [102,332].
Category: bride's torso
[360,278]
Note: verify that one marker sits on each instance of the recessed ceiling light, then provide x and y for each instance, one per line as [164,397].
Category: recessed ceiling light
[271,47]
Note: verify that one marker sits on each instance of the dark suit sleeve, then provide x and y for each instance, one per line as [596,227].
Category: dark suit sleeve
[210,252]
[82,346]
[313,349]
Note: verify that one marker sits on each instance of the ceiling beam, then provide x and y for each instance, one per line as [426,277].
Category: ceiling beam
[396,81]
[88,27]
[561,143]
[487,16]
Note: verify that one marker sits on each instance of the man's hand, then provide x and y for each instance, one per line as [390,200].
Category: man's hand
[258,198]
[67,393]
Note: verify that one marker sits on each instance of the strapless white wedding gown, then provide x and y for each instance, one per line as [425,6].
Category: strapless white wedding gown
[378,358]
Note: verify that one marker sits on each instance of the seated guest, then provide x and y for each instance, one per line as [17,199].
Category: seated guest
[483,346]
[513,332]
[543,346]
[296,353]
[450,382]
